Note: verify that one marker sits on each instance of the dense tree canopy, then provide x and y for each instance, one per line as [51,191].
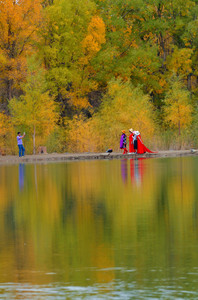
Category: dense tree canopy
[85,49]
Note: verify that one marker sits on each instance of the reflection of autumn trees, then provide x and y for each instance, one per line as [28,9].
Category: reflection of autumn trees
[81,219]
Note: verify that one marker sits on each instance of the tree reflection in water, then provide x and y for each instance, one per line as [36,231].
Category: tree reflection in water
[21,176]
[101,223]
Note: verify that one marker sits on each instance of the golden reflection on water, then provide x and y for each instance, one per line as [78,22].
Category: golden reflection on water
[95,222]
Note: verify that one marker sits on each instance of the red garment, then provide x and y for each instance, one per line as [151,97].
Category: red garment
[125,151]
[131,147]
[141,148]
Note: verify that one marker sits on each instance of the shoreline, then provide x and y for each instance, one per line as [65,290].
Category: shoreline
[56,157]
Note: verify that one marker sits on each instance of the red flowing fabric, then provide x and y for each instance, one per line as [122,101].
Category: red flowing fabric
[141,148]
[131,147]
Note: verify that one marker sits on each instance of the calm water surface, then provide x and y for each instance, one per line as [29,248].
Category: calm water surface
[120,229]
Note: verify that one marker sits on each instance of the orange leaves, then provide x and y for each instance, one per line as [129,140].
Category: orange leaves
[77,101]
[18,24]
[97,29]
[6,133]
[95,37]
[4,121]
[91,44]
[162,85]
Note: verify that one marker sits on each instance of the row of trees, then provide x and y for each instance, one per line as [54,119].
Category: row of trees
[72,71]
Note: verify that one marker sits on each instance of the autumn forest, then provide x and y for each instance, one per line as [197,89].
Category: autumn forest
[74,73]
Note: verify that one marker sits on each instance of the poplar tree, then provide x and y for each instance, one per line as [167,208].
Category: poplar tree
[35,109]
[177,108]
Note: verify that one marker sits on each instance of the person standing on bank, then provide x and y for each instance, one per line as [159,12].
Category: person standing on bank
[123,141]
[131,146]
[135,144]
[20,143]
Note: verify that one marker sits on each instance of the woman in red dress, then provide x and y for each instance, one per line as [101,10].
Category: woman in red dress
[131,146]
[141,148]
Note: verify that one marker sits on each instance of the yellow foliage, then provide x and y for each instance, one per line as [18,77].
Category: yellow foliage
[180,62]
[7,134]
[178,110]
[80,135]
[179,113]
[124,107]
[35,109]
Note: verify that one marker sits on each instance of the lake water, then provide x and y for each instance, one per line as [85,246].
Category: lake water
[117,229]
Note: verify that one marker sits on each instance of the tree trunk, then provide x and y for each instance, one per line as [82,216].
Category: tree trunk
[179,128]
[34,146]
[35,179]
[9,89]
[189,82]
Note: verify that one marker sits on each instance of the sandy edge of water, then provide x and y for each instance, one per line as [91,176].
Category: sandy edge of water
[56,157]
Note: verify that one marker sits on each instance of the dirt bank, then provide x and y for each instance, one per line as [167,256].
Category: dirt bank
[55,157]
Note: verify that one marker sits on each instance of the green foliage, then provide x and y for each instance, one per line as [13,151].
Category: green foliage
[168,139]
[194,128]
[57,141]
[62,50]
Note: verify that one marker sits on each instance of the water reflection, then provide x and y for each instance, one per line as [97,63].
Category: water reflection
[124,169]
[87,228]
[136,170]
[35,179]
[21,176]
